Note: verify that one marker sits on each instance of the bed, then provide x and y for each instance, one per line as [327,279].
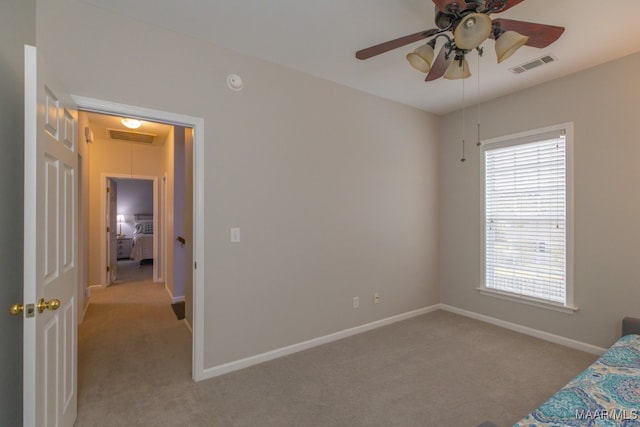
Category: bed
[142,250]
[607,393]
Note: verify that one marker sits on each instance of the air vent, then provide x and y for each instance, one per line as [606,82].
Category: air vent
[533,64]
[125,135]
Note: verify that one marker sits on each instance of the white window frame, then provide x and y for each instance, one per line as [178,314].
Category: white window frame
[516,139]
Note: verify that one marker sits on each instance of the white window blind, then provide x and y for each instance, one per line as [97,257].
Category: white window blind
[525,216]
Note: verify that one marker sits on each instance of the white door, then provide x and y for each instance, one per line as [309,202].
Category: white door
[50,250]
[112,237]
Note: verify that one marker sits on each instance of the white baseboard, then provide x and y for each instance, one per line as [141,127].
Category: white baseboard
[188,326]
[294,348]
[567,342]
[173,299]
[84,310]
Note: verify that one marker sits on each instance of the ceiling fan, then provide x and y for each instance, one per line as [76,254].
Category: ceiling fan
[465,25]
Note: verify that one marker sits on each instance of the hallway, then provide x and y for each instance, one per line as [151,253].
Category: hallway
[130,271]
[134,364]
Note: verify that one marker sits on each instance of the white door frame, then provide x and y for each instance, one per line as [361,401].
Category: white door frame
[157,241]
[162,209]
[197,123]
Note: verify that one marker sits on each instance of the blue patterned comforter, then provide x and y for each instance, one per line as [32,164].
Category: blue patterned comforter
[605,394]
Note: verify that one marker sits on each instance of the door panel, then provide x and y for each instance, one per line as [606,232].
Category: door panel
[51,338]
[50,210]
[69,356]
[68,235]
[50,217]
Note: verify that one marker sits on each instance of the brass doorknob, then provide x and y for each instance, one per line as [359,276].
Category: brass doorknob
[51,305]
[16,309]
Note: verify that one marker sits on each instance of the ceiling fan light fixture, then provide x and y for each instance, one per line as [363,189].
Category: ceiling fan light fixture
[466,25]
[422,57]
[507,44]
[472,30]
[458,69]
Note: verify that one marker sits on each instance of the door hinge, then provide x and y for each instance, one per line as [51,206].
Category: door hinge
[108,190]
[108,269]
[108,230]
[195,265]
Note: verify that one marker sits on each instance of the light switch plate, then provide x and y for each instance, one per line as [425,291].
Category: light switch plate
[234,235]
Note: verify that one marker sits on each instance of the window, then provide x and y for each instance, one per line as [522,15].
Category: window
[527,217]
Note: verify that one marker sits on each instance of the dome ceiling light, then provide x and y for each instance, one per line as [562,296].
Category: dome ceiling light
[131,123]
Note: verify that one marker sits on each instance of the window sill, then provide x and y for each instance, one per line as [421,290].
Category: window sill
[528,301]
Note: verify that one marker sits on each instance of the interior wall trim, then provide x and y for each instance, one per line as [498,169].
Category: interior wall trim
[557,339]
[294,348]
[304,345]
[174,299]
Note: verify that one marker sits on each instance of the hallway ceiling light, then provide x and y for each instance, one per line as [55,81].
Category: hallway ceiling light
[131,123]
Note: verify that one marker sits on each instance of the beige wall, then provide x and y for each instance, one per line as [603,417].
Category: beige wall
[603,103]
[335,191]
[167,260]
[188,225]
[178,259]
[117,159]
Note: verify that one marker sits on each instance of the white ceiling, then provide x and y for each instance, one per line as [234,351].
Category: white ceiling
[321,37]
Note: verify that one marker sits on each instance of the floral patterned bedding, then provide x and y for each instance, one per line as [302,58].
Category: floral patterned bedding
[606,394]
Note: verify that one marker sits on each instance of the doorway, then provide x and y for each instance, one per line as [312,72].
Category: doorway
[135,236]
[133,231]
[193,132]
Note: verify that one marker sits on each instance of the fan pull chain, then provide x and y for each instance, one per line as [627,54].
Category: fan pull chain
[478,143]
[463,159]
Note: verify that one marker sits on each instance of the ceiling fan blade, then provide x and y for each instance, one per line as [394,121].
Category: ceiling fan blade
[440,65]
[508,4]
[393,44]
[448,6]
[540,35]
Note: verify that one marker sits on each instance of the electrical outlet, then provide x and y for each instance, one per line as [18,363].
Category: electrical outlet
[376,298]
[356,302]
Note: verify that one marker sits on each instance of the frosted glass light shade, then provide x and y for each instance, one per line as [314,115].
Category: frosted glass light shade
[457,71]
[472,31]
[131,123]
[421,58]
[507,43]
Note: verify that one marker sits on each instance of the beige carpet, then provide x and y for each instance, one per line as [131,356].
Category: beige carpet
[437,370]
[130,270]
